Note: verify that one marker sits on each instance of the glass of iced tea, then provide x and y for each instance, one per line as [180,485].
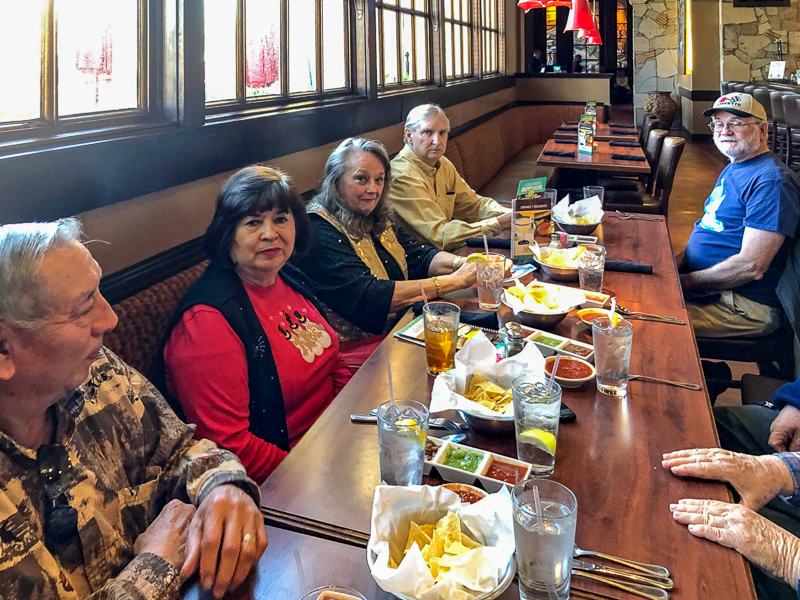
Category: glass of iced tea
[441,327]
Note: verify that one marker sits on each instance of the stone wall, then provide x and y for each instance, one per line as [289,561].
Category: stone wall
[655,49]
[748,40]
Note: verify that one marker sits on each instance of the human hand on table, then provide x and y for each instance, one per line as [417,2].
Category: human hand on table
[225,540]
[757,479]
[166,535]
[465,276]
[785,430]
[735,526]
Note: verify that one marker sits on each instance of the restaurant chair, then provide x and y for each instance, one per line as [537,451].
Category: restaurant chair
[656,202]
[762,95]
[644,183]
[791,115]
[649,121]
[779,124]
[725,87]
[757,389]
[738,87]
[749,88]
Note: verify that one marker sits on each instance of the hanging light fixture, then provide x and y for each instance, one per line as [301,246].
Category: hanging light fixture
[529,4]
[594,39]
[580,17]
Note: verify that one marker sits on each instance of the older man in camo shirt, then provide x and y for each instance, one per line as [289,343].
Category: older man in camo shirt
[103,491]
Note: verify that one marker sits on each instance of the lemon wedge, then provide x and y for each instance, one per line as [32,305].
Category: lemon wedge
[476,257]
[541,439]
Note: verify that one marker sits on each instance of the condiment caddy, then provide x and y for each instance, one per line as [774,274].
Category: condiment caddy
[489,462]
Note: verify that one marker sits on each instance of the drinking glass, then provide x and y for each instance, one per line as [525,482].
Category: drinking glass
[402,429]
[490,281]
[544,541]
[536,412]
[593,190]
[441,327]
[552,195]
[591,264]
[612,354]
[331,592]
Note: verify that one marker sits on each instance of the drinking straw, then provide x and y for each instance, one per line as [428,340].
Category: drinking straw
[486,246]
[389,375]
[424,297]
[553,374]
[614,316]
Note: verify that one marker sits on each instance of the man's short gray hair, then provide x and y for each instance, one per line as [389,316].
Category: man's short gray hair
[22,248]
[422,112]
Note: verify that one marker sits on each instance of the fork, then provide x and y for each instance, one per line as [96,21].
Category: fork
[439,422]
[680,384]
[648,316]
[639,566]
[626,216]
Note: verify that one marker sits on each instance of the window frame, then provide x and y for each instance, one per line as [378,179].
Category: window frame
[286,98]
[413,83]
[471,27]
[484,34]
[149,108]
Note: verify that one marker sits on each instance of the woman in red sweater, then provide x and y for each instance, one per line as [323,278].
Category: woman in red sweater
[249,357]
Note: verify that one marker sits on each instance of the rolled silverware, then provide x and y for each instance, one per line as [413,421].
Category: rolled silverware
[665,583]
[645,591]
[631,564]
[680,384]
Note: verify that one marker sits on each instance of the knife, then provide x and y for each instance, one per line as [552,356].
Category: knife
[645,591]
[664,583]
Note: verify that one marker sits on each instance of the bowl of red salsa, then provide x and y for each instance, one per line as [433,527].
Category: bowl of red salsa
[572,372]
[587,315]
[468,493]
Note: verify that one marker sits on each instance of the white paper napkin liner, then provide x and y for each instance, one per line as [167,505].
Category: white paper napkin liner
[488,521]
[478,357]
[566,297]
[588,207]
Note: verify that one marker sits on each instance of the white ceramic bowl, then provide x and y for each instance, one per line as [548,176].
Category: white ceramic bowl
[584,313]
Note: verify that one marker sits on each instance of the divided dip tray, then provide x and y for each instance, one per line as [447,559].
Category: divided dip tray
[492,470]
[550,343]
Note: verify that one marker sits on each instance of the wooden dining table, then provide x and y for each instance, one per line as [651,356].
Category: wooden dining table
[599,160]
[610,457]
[604,133]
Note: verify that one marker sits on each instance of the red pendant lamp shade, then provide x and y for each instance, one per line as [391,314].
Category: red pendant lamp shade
[580,17]
[529,4]
[594,36]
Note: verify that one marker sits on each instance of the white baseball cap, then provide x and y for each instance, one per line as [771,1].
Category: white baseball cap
[741,105]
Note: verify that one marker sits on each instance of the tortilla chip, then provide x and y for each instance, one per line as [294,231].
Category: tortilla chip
[469,542]
[415,534]
[392,564]
[456,548]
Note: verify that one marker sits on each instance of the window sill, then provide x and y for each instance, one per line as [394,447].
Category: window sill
[237,112]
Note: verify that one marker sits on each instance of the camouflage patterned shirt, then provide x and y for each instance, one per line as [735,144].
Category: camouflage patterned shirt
[129,455]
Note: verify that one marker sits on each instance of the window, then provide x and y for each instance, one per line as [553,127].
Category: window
[589,53]
[551,34]
[403,42]
[257,50]
[72,60]
[458,38]
[622,34]
[490,36]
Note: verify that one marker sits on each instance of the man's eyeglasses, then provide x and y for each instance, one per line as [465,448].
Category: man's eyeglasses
[735,126]
[60,519]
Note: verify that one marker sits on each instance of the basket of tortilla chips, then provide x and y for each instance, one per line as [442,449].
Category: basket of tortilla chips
[425,544]
[479,387]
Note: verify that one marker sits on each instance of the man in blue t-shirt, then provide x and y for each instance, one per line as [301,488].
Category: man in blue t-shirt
[738,250]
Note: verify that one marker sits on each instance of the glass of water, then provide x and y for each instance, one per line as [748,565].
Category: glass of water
[536,411]
[402,429]
[591,264]
[612,354]
[545,538]
[593,190]
[490,281]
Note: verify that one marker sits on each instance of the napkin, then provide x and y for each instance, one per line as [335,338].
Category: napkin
[478,356]
[557,153]
[624,125]
[628,267]
[566,128]
[484,320]
[623,131]
[625,144]
[590,208]
[566,141]
[628,157]
[493,242]
[566,296]
[488,521]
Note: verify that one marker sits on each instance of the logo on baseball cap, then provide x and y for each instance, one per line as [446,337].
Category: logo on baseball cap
[741,105]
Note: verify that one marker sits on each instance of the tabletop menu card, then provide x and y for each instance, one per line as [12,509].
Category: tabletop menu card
[532,217]
[586,134]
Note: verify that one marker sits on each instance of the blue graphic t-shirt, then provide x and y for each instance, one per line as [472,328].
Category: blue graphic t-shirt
[760,193]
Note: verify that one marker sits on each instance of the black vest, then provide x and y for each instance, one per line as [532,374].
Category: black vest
[223,290]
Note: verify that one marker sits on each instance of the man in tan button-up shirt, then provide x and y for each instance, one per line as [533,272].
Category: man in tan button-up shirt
[431,200]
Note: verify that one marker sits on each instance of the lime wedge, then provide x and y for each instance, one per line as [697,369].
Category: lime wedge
[541,439]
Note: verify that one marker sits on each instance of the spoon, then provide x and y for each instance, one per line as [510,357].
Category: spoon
[626,216]
[644,567]
[688,386]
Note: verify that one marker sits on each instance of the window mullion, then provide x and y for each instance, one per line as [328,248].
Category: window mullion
[319,49]
[284,68]
[397,18]
[49,103]
[241,53]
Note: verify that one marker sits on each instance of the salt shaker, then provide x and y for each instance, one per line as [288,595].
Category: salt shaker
[512,336]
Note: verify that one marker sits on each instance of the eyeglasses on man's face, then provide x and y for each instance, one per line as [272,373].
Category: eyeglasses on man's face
[735,126]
